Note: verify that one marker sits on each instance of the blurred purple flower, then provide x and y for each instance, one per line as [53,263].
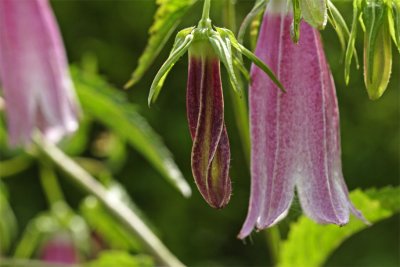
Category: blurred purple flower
[59,249]
[205,112]
[295,135]
[34,75]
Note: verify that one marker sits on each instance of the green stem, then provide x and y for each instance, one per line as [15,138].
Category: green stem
[206,10]
[205,21]
[119,209]
[239,103]
[50,183]
[242,121]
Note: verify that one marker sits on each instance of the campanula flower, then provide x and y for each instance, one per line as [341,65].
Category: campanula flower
[59,248]
[295,135]
[34,75]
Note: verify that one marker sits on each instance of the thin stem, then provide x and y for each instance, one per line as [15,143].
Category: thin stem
[50,183]
[241,114]
[122,212]
[239,103]
[206,10]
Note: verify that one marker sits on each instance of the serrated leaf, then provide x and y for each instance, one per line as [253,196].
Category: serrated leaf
[166,20]
[317,241]
[110,107]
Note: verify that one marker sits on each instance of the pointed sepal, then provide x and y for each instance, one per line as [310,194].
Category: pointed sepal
[182,42]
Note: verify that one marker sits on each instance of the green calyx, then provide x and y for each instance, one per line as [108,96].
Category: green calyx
[208,41]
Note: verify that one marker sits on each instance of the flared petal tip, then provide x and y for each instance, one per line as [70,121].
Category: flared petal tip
[219,200]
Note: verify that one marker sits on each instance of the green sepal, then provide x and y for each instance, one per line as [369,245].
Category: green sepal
[244,51]
[350,50]
[377,48]
[295,27]
[258,7]
[394,21]
[182,42]
[222,46]
[339,25]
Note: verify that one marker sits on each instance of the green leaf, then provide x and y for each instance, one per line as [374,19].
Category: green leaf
[314,12]
[110,107]
[182,42]
[166,19]
[120,259]
[8,222]
[317,241]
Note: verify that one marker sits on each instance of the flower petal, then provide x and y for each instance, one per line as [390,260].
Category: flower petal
[210,152]
[34,72]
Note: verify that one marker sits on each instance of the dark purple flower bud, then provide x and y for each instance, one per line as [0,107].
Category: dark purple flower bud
[295,135]
[205,111]
[59,249]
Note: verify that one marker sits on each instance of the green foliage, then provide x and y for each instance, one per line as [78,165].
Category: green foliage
[8,223]
[166,19]
[99,98]
[120,259]
[310,244]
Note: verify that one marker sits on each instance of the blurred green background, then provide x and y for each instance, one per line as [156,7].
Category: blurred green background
[115,32]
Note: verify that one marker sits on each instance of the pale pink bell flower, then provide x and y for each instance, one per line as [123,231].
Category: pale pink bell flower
[295,135]
[34,76]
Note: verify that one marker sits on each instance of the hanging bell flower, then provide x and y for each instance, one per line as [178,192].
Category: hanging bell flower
[207,47]
[59,249]
[295,135]
[34,75]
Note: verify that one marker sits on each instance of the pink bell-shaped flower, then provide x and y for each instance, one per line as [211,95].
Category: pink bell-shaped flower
[34,75]
[295,135]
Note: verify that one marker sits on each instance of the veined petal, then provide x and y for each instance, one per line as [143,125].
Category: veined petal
[295,135]
[272,184]
[321,188]
[205,106]
[34,72]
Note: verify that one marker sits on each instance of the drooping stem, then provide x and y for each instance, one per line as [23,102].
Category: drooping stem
[242,121]
[205,21]
[122,212]
[50,183]
[206,10]
[239,102]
